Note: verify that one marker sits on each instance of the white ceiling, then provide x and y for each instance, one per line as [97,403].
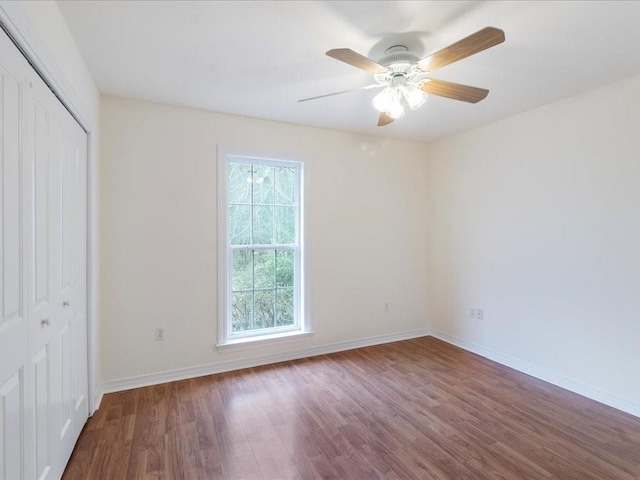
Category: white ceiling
[258,58]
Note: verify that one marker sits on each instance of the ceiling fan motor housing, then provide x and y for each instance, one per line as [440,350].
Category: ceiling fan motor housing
[399,61]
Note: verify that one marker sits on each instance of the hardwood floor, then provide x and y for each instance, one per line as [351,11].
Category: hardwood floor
[417,409]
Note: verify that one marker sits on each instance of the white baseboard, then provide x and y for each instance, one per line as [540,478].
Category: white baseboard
[191,372]
[602,396]
[99,393]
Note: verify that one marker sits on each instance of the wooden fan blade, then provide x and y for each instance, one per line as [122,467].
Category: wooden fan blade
[384,120]
[347,55]
[455,91]
[474,43]
[341,92]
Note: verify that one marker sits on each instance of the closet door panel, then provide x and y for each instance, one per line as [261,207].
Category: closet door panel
[81,382]
[66,378]
[11,414]
[12,248]
[72,283]
[15,404]
[68,179]
[43,151]
[42,397]
[41,217]
[65,302]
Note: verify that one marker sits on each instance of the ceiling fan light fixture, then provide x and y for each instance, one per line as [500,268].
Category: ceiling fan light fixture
[414,96]
[384,100]
[389,101]
[396,110]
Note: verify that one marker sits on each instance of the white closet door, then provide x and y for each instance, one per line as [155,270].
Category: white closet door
[80,383]
[56,146]
[42,151]
[15,402]
[43,346]
[69,336]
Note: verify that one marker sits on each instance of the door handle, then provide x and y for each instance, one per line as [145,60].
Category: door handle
[45,322]
[66,303]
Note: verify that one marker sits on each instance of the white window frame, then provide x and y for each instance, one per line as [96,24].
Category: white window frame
[302,323]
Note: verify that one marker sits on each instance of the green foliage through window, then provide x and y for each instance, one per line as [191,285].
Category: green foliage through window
[262,235]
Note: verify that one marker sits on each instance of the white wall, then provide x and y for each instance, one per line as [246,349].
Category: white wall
[367,197]
[536,219]
[41,31]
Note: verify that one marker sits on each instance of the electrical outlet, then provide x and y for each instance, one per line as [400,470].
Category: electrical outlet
[386,306]
[479,314]
[159,334]
[472,313]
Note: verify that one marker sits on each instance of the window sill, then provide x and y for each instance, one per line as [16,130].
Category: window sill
[263,340]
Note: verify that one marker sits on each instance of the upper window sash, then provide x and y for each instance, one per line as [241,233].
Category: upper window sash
[296,203]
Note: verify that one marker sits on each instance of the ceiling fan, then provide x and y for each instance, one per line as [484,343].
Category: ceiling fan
[404,76]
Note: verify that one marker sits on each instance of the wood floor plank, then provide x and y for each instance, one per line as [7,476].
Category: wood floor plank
[417,409]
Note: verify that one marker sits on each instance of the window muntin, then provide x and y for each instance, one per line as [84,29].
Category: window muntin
[263,247]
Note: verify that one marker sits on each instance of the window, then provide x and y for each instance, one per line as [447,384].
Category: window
[262,291]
